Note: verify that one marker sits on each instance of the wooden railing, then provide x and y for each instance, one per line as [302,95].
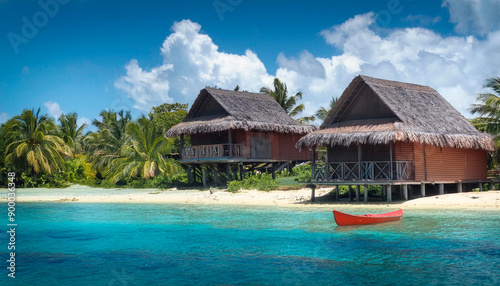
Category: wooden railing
[211,151]
[372,170]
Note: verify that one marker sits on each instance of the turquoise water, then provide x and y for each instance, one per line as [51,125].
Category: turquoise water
[158,244]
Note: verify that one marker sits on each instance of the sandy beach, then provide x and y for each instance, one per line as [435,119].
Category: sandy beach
[298,198]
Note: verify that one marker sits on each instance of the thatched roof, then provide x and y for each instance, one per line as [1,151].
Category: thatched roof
[219,110]
[418,114]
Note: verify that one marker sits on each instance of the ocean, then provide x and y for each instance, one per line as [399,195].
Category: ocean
[173,244]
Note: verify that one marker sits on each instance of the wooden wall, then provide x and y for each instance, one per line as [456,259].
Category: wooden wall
[449,164]
[277,146]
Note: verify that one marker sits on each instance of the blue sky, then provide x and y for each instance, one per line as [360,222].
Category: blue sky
[89,55]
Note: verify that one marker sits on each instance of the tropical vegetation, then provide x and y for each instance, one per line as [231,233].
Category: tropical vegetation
[488,109]
[287,102]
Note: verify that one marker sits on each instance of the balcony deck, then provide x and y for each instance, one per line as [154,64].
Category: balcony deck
[366,172]
[219,153]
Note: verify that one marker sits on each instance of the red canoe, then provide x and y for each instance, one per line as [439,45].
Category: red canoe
[343,219]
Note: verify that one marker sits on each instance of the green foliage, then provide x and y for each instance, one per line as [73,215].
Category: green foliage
[70,132]
[142,155]
[161,181]
[303,173]
[488,109]
[32,144]
[43,180]
[167,115]
[261,182]
[288,103]
[322,112]
[104,146]
[78,170]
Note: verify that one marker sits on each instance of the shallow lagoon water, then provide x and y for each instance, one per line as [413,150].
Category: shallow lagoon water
[171,244]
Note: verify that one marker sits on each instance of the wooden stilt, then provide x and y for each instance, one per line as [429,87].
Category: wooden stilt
[242,172]
[336,190]
[204,174]
[480,186]
[365,193]
[384,192]
[216,175]
[350,193]
[492,186]
[313,190]
[441,189]
[459,187]
[405,192]
[389,193]
[422,190]
[273,171]
[357,193]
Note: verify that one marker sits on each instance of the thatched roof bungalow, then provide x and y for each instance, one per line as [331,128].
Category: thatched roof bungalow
[228,127]
[395,131]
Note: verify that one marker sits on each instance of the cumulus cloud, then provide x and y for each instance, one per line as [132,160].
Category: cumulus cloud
[454,66]
[475,16]
[53,109]
[191,61]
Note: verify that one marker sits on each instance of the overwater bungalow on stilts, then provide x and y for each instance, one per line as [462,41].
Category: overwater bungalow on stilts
[233,132]
[404,137]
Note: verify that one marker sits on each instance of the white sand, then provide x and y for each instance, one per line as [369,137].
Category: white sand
[84,194]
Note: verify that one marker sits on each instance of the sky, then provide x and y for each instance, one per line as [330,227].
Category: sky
[85,56]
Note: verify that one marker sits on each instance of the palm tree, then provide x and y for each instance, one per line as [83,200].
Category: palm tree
[288,103]
[70,132]
[104,146]
[32,144]
[142,153]
[488,109]
[322,112]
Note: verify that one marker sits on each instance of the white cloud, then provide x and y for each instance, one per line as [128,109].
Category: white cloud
[454,66]
[83,120]
[191,61]
[3,117]
[53,109]
[476,16]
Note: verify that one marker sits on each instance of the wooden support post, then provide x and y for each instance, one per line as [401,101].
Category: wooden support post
[273,171]
[357,193]
[313,164]
[350,193]
[189,172]
[480,186]
[422,189]
[425,164]
[228,173]
[181,146]
[336,189]
[216,174]
[459,187]
[365,193]
[389,193]
[391,175]
[360,177]
[204,174]
[492,186]
[230,143]
[405,192]
[313,189]
[242,172]
[441,189]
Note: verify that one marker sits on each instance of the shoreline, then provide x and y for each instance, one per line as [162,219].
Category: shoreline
[292,198]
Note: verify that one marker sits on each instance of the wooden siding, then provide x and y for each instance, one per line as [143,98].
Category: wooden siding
[476,161]
[287,150]
[449,164]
